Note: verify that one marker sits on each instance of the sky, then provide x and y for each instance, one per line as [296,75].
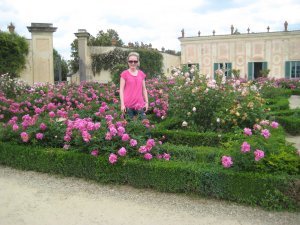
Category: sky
[157,22]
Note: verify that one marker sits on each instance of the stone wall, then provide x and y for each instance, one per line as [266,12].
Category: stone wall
[85,68]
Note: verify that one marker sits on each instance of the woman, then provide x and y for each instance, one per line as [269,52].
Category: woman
[133,92]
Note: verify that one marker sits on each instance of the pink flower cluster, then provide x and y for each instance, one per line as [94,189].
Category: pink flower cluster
[226,161]
[259,154]
[247,131]
[265,133]
[245,147]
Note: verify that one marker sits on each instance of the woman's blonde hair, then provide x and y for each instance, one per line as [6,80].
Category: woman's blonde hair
[137,55]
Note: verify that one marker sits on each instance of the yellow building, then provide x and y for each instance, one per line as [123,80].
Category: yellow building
[250,53]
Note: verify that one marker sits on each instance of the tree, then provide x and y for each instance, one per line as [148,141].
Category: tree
[74,61]
[60,67]
[13,52]
[106,38]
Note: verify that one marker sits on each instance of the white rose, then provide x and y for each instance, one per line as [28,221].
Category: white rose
[184,123]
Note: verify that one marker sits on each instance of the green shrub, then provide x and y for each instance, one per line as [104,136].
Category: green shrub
[278,156]
[277,104]
[286,112]
[272,92]
[180,137]
[290,123]
[201,154]
[296,91]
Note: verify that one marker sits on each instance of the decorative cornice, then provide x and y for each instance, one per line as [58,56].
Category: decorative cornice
[41,27]
[82,33]
[241,36]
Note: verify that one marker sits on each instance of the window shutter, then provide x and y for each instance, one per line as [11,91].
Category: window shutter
[229,67]
[265,65]
[287,69]
[250,70]
[215,68]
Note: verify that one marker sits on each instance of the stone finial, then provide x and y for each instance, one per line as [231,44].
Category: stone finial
[285,26]
[199,33]
[214,32]
[11,27]
[248,30]
[182,33]
[268,29]
[232,28]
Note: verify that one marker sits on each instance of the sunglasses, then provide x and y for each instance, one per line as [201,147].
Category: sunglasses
[133,61]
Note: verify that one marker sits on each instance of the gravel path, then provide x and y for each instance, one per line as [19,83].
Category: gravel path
[40,199]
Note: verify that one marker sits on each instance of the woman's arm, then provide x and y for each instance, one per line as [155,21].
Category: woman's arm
[145,95]
[122,85]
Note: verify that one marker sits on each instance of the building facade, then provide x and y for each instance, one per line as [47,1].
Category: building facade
[252,54]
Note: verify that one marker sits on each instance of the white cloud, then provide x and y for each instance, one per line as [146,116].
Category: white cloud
[157,22]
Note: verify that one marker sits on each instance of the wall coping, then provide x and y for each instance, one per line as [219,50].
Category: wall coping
[41,27]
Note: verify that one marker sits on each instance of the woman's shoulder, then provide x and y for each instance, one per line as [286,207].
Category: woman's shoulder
[124,73]
[142,73]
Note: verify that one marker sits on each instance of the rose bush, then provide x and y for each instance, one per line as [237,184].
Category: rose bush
[215,105]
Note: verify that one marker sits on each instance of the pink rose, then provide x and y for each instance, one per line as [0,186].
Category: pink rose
[122,151]
[247,131]
[133,142]
[265,133]
[125,137]
[259,154]
[245,147]
[95,152]
[148,156]
[274,124]
[39,136]
[166,156]
[52,114]
[113,158]
[226,161]
[24,136]
[43,126]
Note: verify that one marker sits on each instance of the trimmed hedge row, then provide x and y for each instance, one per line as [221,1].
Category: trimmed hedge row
[269,191]
[288,112]
[291,124]
[296,91]
[180,137]
[201,154]
[277,104]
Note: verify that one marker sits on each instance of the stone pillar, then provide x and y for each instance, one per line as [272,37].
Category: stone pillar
[82,37]
[42,52]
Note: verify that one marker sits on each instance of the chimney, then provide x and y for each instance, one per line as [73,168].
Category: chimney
[11,28]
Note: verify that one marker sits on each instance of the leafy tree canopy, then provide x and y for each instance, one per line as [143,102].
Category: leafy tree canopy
[13,52]
[60,67]
[106,38]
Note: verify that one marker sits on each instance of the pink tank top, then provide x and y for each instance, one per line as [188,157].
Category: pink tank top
[133,90]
